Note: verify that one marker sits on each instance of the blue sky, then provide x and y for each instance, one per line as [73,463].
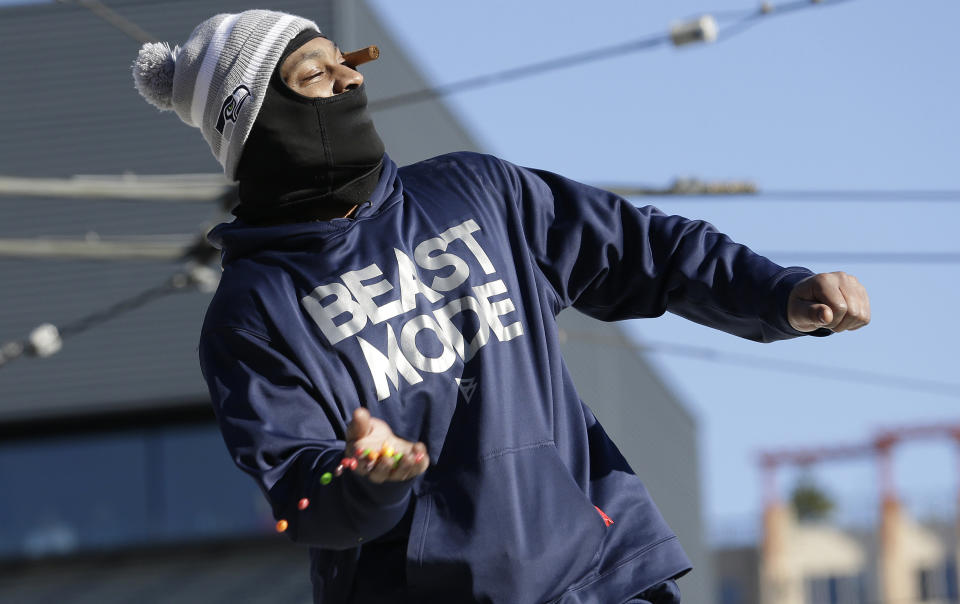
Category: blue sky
[861,95]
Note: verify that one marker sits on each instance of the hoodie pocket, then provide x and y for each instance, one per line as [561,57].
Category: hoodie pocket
[515,529]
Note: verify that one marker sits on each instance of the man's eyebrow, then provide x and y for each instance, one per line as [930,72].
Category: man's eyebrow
[313,54]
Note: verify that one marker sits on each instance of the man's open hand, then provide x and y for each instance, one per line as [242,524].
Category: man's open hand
[836,301]
[366,432]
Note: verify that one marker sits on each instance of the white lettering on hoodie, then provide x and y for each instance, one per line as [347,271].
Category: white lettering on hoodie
[356,304]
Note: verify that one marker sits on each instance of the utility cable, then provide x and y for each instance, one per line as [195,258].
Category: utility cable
[203,188]
[47,339]
[523,71]
[870,257]
[843,374]
[166,188]
[754,361]
[691,189]
[114,18]
[745,20]
[92,249]
[866,195]
[699,29]
[198,249]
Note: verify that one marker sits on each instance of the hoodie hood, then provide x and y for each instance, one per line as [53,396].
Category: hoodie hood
[238,239]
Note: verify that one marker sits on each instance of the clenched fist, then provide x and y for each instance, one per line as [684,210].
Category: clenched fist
[836,301]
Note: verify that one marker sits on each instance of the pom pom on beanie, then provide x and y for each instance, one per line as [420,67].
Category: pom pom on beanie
[216,80]
[153,73]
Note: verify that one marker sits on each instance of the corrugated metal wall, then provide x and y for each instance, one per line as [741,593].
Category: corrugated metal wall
[69,106]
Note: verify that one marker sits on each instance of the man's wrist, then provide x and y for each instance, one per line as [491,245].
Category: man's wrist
[782,285]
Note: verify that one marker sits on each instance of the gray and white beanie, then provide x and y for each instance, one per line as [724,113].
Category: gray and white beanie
[217,80]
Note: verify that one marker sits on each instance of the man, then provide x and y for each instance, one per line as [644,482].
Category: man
[405,319]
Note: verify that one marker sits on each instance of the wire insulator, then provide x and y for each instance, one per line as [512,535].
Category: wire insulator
[205,278]
[45,340]
[10,351]
[703,29]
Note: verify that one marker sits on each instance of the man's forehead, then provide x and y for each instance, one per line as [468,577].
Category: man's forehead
[318,47]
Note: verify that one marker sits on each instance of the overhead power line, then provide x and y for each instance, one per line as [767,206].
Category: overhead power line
[693,189]
[703,28]
[172,188]
[871,195]
[198,249]
[870,257]
[524,71]
[746,19]
[685,187]
[831,372]
[114,18]
[194,188]
[186,248]
[755,361]
[85,249]
[47,339]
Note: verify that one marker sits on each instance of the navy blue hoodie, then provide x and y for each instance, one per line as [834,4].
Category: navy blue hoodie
[434,308]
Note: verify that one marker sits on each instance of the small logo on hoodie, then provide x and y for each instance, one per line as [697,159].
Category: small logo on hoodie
[467,386]
[230,110]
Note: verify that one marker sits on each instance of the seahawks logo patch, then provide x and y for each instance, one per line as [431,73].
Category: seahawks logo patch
[230,110]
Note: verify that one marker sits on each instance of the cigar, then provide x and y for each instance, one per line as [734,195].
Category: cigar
[359,57]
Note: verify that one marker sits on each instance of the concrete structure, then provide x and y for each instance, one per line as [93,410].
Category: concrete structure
[799,557]
[914,561]
[109,445]
[819,563]
[905,562]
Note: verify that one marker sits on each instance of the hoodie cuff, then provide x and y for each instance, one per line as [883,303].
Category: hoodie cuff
[782,285]
[386,499]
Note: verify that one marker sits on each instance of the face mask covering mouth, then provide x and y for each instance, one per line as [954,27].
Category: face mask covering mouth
[308,158]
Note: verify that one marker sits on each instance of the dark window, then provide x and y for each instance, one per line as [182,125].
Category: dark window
[932,583]
[938,582]
[953,595]
[119,489]
[818,590]
[730,591]
[837,589]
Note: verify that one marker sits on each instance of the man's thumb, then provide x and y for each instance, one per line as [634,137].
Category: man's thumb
[820,315]
[359,426]
[809,316]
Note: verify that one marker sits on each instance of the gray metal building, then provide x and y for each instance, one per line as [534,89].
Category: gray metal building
[115,485]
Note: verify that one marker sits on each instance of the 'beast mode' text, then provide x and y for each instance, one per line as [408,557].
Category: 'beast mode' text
[438,271]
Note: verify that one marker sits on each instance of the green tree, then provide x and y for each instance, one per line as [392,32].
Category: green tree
[810,502]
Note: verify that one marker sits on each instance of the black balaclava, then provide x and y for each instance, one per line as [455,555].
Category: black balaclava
[307,158]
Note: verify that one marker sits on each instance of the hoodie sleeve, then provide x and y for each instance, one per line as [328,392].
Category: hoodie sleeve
[277,431]
[613,260]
